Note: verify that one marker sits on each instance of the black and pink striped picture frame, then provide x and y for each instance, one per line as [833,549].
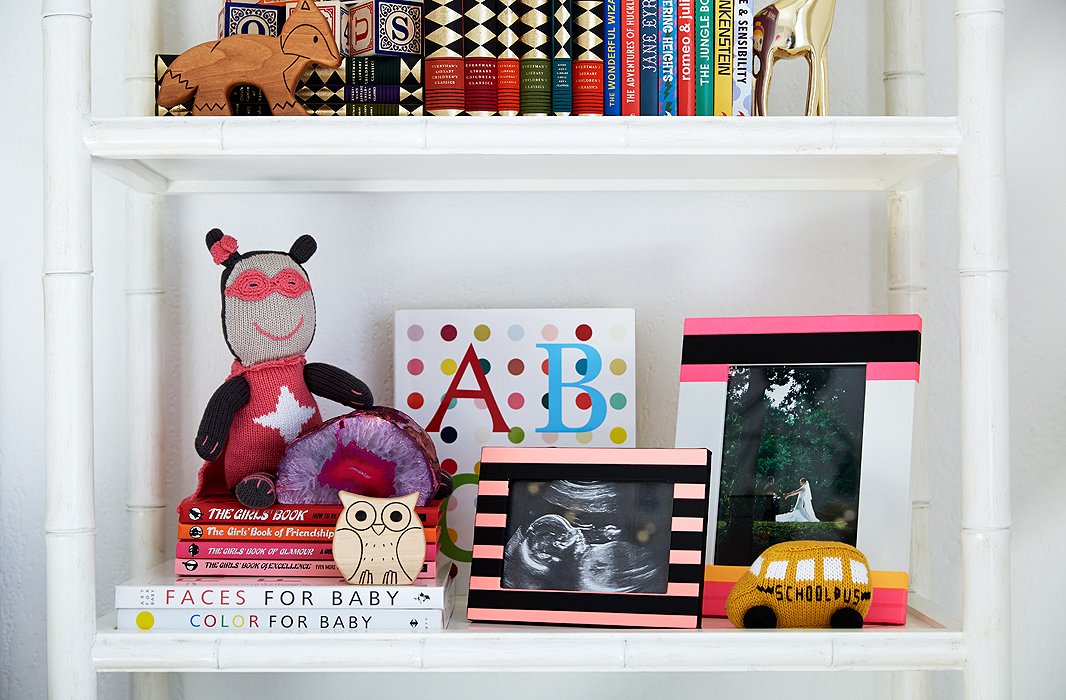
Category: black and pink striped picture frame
[588,536]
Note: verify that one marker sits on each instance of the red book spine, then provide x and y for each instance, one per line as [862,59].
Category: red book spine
[482,49]
[588,64]
[686,58]
[221,549]
[270,567]
[215,511]
[630,60]
[444,71]
[508,86]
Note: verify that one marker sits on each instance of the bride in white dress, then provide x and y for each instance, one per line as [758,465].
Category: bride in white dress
[803,512]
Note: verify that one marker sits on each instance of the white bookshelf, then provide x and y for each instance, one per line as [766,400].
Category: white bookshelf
[159,157]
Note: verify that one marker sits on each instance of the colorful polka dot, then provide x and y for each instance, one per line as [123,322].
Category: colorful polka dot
[453,503]
[516,332]
[582,366]
[618,401]
[516,401]
[584,438]
[415,367]
[516,367]
[449,366]
[415,333]
[618,366]
[452,404]
[480,404]
[145,620]
[544,367]
[477,467]
[618,435]
[448,333]
[583,332]
[415,400]
[453,535]
[517,435]
[450,466]
[544,401]
[486,366]
[550,438]
[549,332]
[583,401]
[482,332]
[449,434]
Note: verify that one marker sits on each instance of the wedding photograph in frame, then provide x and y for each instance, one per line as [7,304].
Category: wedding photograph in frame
[603,537]
[809,421]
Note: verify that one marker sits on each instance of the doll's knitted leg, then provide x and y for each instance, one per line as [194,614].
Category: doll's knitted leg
[256,490]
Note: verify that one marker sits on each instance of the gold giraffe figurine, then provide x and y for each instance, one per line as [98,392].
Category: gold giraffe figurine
[790,29]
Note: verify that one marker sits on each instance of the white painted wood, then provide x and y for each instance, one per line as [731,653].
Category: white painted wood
[486,154]
[983,320]
[466,647]
[70,525]
[904,80]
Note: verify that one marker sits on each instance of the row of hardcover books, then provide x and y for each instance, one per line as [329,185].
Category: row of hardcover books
[588,57]
[163,601]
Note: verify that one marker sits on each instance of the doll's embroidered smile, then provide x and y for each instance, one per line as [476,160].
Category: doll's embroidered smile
[279,338]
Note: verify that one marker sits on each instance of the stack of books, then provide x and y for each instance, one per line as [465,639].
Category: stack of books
[217,536]
[161,601]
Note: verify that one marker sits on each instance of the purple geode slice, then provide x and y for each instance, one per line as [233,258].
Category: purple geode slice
[365,447]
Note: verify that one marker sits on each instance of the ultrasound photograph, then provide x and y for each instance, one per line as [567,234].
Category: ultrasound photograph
[588,536]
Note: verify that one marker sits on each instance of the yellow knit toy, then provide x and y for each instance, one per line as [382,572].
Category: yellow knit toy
[803,584]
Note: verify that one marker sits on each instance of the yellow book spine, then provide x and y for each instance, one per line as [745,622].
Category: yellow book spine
[723,58]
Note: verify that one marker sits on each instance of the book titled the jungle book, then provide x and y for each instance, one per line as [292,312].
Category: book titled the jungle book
[588,62]
[630,59]
[705,58]
[686,58]
[445,73]
[612,58]
[743,26]
[649,58]
[562,53]
[508,66]
[512,377]
[535,70]
[667,58]
[723,58]
[481,45]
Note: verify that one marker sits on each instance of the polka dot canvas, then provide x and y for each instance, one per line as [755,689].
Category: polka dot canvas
[518,378]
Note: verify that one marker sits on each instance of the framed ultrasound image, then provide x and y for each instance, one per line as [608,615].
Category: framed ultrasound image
[589,536]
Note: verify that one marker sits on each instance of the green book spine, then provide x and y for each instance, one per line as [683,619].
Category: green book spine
[704,58]
[535,69]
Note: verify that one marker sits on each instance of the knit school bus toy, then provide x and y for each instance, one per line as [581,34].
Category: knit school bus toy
[268,321]
[803,584]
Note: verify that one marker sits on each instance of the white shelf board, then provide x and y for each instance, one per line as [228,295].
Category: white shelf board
[380,154]
[923,644]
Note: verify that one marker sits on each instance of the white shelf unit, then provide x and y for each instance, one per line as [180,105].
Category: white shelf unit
[157,157]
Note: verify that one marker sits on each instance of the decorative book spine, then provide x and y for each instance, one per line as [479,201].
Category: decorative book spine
[723,58]
[742,45]
[382,94]
[588,67]
[508,90]
[630,57]
[301,620]
[649,57]
[686,58]
[705,58]
[562,55]
[612,64]
[535,66]
[481,31]
[378,109]
[444,69]
[667,59]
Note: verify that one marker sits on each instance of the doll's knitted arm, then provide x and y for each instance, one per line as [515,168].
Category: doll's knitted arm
[218,416]
[335,384]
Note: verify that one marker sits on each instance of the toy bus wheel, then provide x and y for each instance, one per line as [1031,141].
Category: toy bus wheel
[846,618]
[760,617]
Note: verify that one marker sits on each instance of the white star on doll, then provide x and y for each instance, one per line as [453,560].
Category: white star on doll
[288,417]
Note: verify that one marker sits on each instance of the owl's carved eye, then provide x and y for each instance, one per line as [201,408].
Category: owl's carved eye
[360,515]
[397,516]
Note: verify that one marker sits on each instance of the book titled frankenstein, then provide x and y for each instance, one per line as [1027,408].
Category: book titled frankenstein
[588,65]
[667,58]
[612,58]
[535,69]
[649,57]
[723,58]
[445,76]
[630,61]
[562,53]
[705,58]
[508,83]
[481,29]
[686,58]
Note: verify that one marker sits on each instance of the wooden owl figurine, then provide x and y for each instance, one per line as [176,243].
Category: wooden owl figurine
[379,541]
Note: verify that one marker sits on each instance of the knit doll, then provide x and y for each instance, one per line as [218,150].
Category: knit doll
[268,320]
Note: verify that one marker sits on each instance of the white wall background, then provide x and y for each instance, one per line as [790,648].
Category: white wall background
[755,254]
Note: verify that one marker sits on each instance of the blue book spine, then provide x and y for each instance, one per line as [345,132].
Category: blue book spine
[668,58]
[612,39]
[649,57]
[562,53]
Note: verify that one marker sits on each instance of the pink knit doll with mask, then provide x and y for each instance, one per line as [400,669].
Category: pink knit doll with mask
[268,319]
